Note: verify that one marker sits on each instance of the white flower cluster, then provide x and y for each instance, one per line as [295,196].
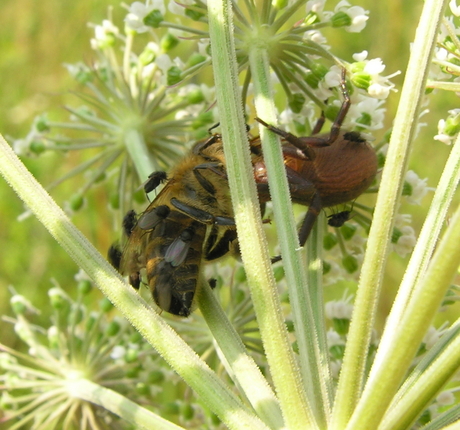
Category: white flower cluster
[358,15]
[406,241]
[340,309]
[419,188]
[138,11]
[448,128]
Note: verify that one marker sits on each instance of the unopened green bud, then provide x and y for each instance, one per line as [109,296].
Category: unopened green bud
[112,328]
[341,19]
[168,42]
[337,351]
[329,241]
[350,263]
[76,202]
[452,126]
[280,4]
[195,96]
[84,287]
[194,14]
[361,80]
[105,305]
[58,298]
[153,19]
[348,231]
[174,75]
[155,377]
[187,411]
[296,102]
[341,325]
[131,355]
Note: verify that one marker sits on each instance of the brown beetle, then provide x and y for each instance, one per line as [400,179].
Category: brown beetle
[324,170]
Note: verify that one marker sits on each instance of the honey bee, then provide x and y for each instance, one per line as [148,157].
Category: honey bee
[190,221]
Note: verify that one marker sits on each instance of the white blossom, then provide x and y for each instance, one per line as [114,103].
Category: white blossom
[336,365]
[369,106]
[454,8]
[406,241]
[445,398]
[104,34]
[419,188]
[333,338]
[138,11]
[315,6]
[357,14]
[431,337]
[360,56]
[118,352]
[339,309]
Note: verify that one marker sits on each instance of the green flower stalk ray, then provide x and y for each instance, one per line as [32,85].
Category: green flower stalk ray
[155,330]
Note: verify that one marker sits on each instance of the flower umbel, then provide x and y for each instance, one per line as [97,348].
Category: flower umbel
[135,121]
[43,389]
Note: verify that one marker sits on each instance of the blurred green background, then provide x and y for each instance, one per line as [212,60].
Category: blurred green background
[37,37]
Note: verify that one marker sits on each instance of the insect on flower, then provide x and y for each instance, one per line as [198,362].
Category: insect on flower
[190,221]
[338,219]
[322,170]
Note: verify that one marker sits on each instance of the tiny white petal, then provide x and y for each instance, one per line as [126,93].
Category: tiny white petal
[454,8]
[360,56]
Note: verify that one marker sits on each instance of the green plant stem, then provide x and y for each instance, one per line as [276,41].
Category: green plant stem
[352,375]
[442,421]
[305,324]
[391,363]
[426,243]
[118,404]
[243,369]
[169,345]
[253,246]
[437,366]
[139,153]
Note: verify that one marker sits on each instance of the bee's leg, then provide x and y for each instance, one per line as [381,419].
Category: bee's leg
[200,215]
[114,255]
[219,244]
[205,183]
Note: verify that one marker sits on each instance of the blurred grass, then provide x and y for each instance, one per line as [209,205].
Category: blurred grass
[37,37]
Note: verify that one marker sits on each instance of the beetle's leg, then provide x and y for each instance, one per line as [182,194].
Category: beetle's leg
[319,123]
[298,142]
[309,221]
[335,129]
[307,224]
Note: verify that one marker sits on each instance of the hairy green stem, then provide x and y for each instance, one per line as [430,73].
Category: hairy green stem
[215,393]
[253,246]
[373,405]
